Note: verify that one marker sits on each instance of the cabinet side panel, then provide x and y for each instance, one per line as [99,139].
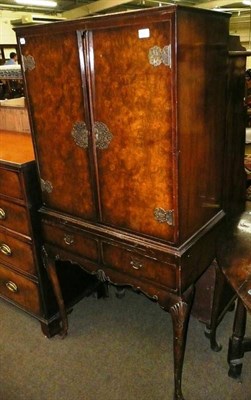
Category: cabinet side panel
[53,79]
[202,73]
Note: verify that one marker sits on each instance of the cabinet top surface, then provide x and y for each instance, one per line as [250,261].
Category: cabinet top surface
[116,18]
[16,147]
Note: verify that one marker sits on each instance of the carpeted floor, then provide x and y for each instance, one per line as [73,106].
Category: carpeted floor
[115,350]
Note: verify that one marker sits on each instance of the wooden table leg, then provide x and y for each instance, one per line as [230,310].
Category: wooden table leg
[238,344]
[180,313]
[210,332]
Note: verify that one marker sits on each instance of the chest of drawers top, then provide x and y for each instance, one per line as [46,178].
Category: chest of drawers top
[17,168]
[16,148]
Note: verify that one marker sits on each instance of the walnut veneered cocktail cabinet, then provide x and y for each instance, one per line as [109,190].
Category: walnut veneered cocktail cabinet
[128,116]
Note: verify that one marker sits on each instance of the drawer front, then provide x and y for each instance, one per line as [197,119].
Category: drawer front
[10,184]
[14,216]
[71,241]
[20,290]
[16,253]
[138,266]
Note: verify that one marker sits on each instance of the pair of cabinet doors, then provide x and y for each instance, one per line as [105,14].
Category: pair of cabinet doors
[128,118]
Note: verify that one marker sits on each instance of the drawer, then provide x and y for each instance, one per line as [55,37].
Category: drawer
[14,216]
[10,184]
[138,266]
[16,253]
[20,290]
[74,242]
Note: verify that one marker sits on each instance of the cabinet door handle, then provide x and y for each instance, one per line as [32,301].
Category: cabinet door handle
[11,286]
[5,249]
[2,214]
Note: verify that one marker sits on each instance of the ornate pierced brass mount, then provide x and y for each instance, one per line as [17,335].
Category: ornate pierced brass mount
[102,134]
[164,216]
[46,186]
[158,56]
[28,63]
[80,134]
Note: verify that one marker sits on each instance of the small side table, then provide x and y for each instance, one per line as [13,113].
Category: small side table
[234,259]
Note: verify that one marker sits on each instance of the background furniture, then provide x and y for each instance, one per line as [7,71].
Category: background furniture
[132,160]
[23,279]
[214,296]
[11,82]
[235,262]
[14,115]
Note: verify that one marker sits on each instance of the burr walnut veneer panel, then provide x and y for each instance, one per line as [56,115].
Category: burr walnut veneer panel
[129,126]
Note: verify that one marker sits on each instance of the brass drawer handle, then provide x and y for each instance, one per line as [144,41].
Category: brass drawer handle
[68,239]
[136,264]
[11,286]
[5,249]
[2,214]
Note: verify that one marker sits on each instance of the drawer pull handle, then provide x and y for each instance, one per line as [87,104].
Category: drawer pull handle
[68,239]
[2,214]
[5,249]
[11,286]
[136,264]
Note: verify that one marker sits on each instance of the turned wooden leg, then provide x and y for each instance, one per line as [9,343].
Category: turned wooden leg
[210,331]
[50,266]
[236,347]
[180,313]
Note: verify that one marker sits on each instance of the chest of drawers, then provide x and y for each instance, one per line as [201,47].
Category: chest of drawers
[19,200]
[23,279]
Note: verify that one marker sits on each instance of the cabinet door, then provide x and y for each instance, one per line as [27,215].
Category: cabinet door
[55,80]
[132,101]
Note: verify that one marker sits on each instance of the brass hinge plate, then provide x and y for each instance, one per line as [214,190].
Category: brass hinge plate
[158,56]
[164,216]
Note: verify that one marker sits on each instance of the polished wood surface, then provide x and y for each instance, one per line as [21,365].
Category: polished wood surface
[16,147]
[19,225]
[161,150]
[23,279]
[131,152]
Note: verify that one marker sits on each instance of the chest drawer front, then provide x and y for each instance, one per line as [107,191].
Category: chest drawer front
[20,290]
[71,241]
[14,217]
[138,266]
[10,184]
[16,253]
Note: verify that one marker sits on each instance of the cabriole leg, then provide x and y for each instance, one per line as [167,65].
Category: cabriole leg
[180,313]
